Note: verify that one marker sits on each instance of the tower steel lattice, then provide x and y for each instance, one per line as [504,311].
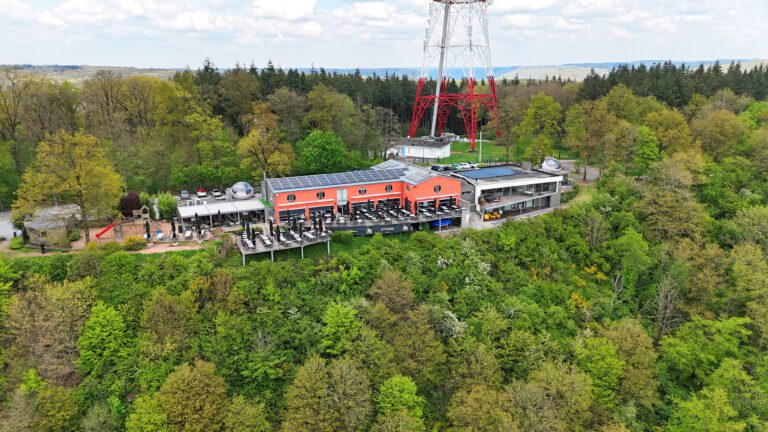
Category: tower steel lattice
[456,37]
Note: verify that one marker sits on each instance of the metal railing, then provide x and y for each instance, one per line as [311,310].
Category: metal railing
[289,243]
[401,218]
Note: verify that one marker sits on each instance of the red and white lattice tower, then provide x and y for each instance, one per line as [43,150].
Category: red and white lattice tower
[457,37]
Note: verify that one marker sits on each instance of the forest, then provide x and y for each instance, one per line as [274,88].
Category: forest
[640,306]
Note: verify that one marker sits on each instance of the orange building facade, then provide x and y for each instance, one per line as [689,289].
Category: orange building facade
[391,183]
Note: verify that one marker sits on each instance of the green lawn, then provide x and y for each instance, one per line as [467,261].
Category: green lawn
[461,152]
[586,192]
[491,153]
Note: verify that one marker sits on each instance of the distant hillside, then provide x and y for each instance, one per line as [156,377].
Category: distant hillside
[77,74]
[575,72]
[579,71]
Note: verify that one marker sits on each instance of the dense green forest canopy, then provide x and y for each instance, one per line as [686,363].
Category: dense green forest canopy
[642,306]
[212,127]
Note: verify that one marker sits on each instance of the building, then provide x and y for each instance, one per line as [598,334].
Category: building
[53,225]
[509,190]
[227,210]
[425,150]
[392,183]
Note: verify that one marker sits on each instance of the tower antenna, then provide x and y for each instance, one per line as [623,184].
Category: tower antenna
[452,42]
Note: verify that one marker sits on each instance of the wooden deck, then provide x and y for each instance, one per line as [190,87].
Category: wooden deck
[259,247]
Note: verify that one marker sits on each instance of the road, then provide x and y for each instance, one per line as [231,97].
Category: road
[570,165]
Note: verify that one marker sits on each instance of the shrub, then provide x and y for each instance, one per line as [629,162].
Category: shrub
[571,194]
[74,235]
[145,199]
[129,203]
[134,243]
[16,243]
[342,236]
[166,203]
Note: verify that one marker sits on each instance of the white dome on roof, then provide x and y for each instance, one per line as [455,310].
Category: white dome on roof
[241,191]
[551,165]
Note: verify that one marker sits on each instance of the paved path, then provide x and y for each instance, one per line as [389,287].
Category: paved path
[570,165]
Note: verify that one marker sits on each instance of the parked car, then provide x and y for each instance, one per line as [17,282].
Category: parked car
[216,193]
[184,194]
[441,168]
[456,166]
[201,193]
[473,165]
[463,165]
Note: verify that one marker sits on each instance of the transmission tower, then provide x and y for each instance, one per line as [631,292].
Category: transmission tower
[457,37]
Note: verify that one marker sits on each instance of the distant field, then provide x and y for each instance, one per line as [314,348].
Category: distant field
[78,74]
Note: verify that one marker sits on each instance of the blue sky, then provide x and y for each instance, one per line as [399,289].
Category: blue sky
[365,33]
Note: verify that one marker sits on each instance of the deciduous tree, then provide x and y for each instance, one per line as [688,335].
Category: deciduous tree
[194,398]
[261,148]
[71,168]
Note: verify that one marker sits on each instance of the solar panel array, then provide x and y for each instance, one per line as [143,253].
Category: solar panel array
[338,179]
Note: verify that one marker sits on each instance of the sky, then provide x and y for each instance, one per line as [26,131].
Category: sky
[375,33]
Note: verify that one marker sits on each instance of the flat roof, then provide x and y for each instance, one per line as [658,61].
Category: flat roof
[500,173]
[225,207]
[426,142]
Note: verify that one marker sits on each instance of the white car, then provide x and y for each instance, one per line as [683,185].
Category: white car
[464,165]
[216,194]
[474,165]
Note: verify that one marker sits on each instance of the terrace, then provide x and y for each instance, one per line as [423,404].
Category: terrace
[257,243]
[365,218]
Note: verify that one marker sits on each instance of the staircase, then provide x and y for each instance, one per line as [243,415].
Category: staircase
[118,232]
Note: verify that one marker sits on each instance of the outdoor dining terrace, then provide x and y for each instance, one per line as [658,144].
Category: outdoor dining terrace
[367,218]
[252,243]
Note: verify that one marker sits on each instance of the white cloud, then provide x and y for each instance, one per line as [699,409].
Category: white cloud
[290,10]
[372,32]
[13,9]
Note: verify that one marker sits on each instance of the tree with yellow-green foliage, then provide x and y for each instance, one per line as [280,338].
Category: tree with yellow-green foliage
[71,168]
[328,397]
[262,148]
[194,398]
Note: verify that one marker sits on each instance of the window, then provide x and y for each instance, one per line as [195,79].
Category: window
[320,195]
[438,188]
[291,198]
[362,191]
[388,188]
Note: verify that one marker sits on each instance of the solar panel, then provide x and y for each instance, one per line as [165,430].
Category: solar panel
[335,179]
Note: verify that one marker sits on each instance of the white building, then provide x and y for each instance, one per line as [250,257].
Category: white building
[509,190]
